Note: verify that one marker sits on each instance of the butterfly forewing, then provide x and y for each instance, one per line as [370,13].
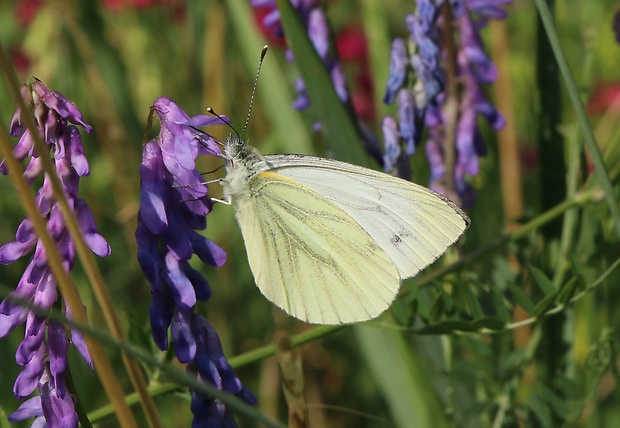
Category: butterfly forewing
[412,224]
[310,257]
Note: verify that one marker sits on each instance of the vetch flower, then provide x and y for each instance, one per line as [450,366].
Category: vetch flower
[421,102]
[315,21]
[43,351]
[173,208]
[398,70]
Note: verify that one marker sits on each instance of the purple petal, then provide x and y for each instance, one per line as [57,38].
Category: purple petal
[398,70]
[33,340]
[319,32]
[303,101]
[17,126]
[57,344]
[33,170]
[28,409]
[25,231]
[12,313]
[56,223]
[57,102]
[12,319]
[434,154]
[15,250]
[176,141]
[161,316]
[152,208]
[201,121]
[24,147]
[392,144]
[149,256]
[45,197]
[77,338]
[467,156]
[180,286]
[194,186]
[45,295]
[76,150]
[406,119]
[181,175]
[58,410]
[193,213]
[28,379]
[176,239]
[182,336]
[200,284]
[208,252]
[94,240]
[339,81]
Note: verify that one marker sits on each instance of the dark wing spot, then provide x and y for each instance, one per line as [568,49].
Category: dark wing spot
[396,239]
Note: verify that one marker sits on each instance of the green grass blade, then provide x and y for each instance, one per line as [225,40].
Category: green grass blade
[286,123]
[584,125]
[401,378]
[337,123]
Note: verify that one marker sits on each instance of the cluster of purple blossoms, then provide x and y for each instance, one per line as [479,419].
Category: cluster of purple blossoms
[173,207]
[43,351]
[314,19]
[422,103]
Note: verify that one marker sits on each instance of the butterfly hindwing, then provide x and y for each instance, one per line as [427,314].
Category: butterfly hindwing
[309,256]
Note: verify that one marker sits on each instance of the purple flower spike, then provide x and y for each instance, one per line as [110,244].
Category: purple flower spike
[315,21]
[211,366]
[407,120]
[398,70]
[392,143]
[423,102]
[173,206]
[43,351]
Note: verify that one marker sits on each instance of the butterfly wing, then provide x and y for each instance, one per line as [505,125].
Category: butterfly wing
[412,224]
[308,255]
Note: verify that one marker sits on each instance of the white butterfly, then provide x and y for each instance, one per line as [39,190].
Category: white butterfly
[329,242]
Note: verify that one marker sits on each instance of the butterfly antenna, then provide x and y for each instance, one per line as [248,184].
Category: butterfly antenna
[227,122]
[263,52]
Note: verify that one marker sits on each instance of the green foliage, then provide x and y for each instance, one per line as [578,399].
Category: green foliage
[510,328]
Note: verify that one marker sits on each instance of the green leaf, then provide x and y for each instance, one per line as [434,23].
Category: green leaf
[544,305]
[337,122]
[522,299]
[285,123]
[569,387]
[579,267]
[582,118]
[437,309]
[541,411]
[568,290]
[543,282]
[472,303]
[402,377]
[401,310]
[556,403]
[4,421]
[499,303]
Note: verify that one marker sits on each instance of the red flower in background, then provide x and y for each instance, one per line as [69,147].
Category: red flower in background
[26,10]
[116,5]
[273,33]
[353,53]
[605,96]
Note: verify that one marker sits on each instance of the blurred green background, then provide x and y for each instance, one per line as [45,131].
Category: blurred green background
[113,59]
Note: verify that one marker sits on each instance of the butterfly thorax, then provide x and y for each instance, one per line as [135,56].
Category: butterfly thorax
[242,162]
